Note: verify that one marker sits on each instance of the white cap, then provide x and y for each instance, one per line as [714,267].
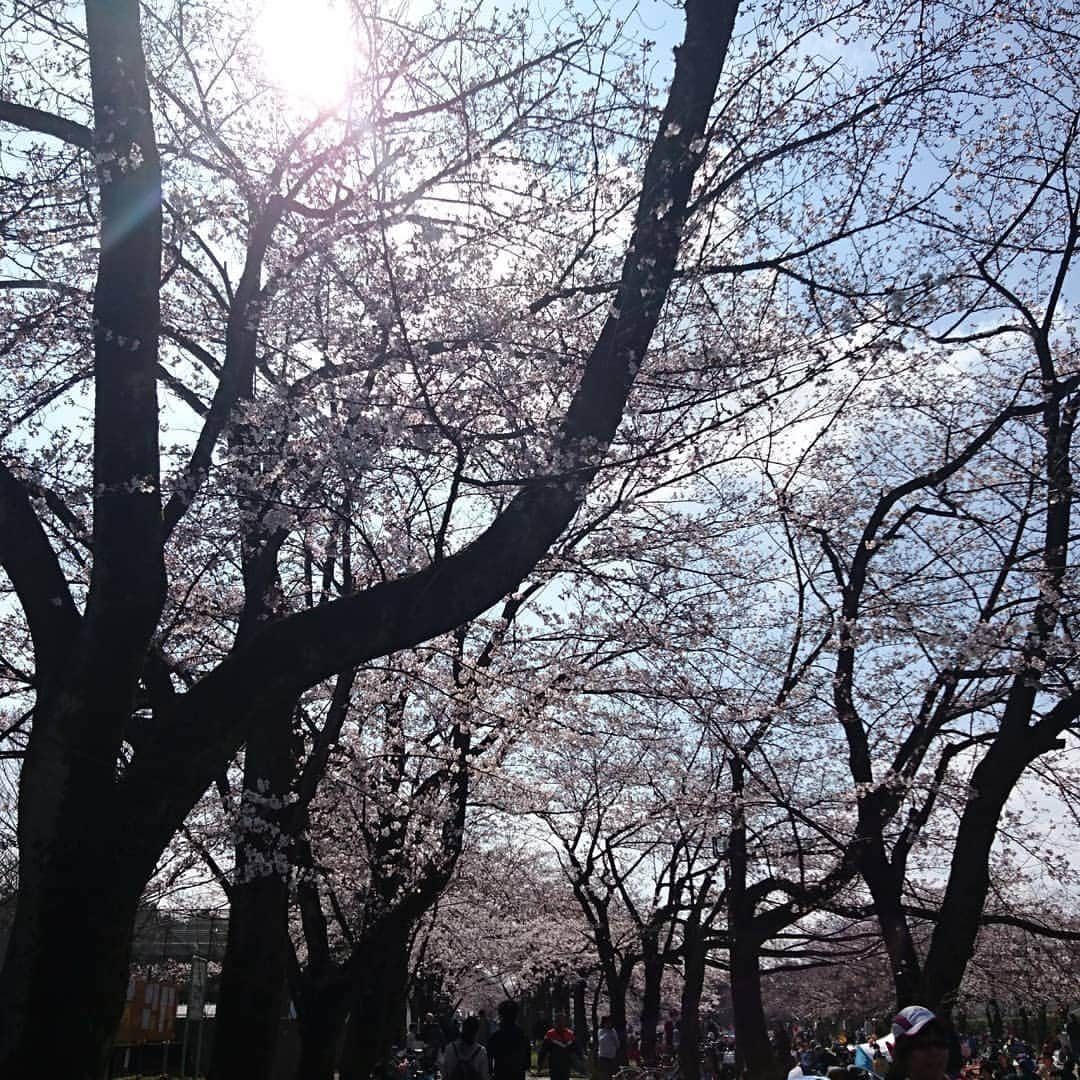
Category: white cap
[911,1021]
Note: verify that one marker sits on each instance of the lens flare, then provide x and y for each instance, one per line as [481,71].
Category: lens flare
[308,49]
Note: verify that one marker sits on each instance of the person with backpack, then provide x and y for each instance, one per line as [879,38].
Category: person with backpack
[465,1058]
[508,1048]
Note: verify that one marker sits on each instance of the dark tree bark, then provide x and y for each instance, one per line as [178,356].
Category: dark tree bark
[617,975]
[581,1022]
[755,1056]
[321,1024]
[653,964]
[253,976]
[886,887]
[952,943]
[746,936]
[80,871]
[380,981]
[694,951]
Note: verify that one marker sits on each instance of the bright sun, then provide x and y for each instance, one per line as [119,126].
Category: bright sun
[308,49]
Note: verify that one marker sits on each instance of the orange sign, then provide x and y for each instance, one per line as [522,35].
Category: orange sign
[149,1013]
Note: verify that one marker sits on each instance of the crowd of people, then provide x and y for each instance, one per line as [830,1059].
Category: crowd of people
[478,1049]
[920,1046]
[961,1056]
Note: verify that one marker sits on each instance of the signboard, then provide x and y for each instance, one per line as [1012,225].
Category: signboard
[149,1012]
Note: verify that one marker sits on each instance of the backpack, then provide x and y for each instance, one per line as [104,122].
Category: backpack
[465,1068]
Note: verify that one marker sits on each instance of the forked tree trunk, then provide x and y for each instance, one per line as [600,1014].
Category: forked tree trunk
[79,881]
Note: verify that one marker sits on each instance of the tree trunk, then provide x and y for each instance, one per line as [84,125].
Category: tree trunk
[320,1023]
[377,1002]
[886,891]
[70,942]
[616,980]
[953,940]
[755,1056]
[650,996]
[581,1022]
[693,983]
[252,998]
[256,957]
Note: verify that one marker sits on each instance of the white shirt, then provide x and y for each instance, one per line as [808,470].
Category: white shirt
[475,1055]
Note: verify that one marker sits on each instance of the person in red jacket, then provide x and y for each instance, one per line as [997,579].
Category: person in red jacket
[557,1049]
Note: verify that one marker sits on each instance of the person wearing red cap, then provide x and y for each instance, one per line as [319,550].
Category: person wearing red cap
[920,1045]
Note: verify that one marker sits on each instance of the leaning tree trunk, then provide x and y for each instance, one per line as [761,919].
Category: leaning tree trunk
[885,891]
[953,940]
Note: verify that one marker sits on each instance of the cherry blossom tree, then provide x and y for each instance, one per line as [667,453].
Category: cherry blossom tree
[90,832]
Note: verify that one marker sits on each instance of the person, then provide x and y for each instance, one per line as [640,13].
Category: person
[1072,1031]
[920,1045]
[431,1030]
[796,1069]
[607,1048]
[484,1030]
[824,1059]
[465,1058]
[781,1043]
[710,1066]
[1067,1066]
[669,1030]
[557,1049]
[413,1043]
[508,1048]
[432,1033]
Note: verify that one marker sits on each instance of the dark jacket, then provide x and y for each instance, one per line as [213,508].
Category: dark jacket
[509,1053]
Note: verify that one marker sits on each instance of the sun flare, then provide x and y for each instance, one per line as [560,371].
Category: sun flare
[308,49]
